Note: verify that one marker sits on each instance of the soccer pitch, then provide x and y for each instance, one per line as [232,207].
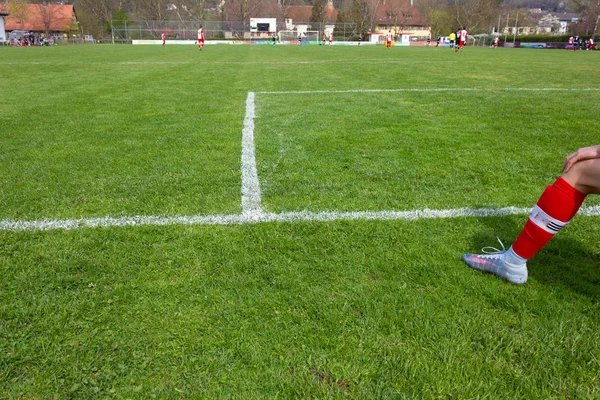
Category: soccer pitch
[258,221]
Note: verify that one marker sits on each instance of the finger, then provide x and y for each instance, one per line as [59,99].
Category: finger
[569,162]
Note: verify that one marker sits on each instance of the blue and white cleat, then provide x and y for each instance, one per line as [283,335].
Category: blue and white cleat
[497,262]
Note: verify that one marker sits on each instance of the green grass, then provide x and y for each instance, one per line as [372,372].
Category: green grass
[344,309]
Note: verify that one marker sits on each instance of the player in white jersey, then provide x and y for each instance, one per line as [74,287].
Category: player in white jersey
[163,36]
[200,38]
[462,38]
[389,39]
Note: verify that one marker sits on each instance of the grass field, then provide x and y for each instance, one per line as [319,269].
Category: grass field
[261,222]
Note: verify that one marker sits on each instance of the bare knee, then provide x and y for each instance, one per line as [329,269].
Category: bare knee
[585,176]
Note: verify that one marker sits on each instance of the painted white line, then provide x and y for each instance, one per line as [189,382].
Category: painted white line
[250,184]
[251,196]
[291,217]
[432,90]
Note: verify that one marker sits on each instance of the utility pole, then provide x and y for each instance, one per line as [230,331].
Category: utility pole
[506,30]
[595,28]
[516,25]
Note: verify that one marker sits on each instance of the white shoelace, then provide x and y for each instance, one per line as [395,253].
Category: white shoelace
[492,250]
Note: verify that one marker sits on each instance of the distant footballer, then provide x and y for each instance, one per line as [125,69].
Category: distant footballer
[200,38]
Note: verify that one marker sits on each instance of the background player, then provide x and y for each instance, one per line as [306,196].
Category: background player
[452,38]
[462,38]
[389,38]
[163,36]
[200,38]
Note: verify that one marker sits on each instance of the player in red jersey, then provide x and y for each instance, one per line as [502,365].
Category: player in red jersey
[555,208]
[163,36]
[200,38]
[462,38]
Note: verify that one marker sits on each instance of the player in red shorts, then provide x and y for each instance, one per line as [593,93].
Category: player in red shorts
[496,41]
[200,38]
[462,38]
[389,38]
[164,38]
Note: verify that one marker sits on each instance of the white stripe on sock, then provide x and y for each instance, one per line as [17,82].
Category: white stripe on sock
[545,221]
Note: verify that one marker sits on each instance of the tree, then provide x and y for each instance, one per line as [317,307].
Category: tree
[151,10]
[318,16]
[242,10]
[399,12]
[361,14]
[190,9]
[438,13]
[118,21]
[103,10]
[49,14]
[476,15]
[18,10]
[590,10]
[549,23]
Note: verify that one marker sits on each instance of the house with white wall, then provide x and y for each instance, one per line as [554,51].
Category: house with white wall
[2,31]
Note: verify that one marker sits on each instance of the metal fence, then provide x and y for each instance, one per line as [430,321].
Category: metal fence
[123,31]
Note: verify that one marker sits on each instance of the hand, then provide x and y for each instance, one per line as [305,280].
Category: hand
[585,153]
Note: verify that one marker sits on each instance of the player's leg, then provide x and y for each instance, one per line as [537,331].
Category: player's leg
[554,210]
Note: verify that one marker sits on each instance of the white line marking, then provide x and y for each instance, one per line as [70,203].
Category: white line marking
[251,197]
[432,90]
[250,184]
[269,63]
[239,219]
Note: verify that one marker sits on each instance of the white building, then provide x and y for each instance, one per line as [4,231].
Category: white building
[2,31]
[545,23]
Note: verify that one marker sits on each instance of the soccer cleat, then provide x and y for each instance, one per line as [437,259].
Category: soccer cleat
[495,262]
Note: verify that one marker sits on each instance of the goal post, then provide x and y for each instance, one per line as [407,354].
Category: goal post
[311,37]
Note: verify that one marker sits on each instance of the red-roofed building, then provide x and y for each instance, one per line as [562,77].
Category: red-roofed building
[298,17]
[303,13]
[400,17]
[50,19]
[288,17]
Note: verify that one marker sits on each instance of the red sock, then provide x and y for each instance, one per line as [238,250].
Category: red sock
[555,208]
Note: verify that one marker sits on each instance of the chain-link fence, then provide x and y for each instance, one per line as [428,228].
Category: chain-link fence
[124,31]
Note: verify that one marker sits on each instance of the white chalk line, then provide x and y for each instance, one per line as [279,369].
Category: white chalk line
[251,199]
[270,62]
[262,217]
[450,89]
